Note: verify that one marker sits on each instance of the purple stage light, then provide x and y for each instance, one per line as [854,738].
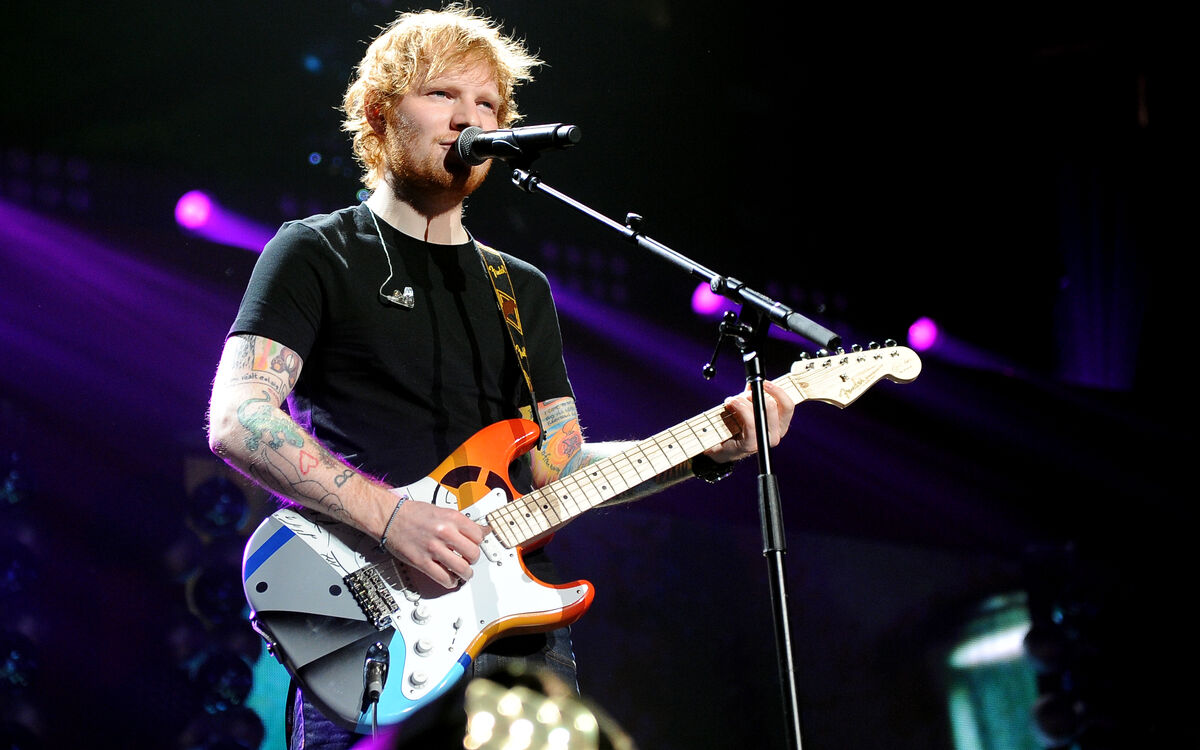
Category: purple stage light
[922,334]
[193,210]
[707,304]
[704,302]
[198,213]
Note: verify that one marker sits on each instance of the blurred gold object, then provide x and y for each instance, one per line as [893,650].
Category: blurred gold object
[536,712]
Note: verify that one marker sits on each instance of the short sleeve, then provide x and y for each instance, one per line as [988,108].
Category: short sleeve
[284,298]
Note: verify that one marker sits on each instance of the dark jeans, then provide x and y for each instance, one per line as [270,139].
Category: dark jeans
[309,730]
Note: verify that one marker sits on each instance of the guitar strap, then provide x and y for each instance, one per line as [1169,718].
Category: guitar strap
[506,302]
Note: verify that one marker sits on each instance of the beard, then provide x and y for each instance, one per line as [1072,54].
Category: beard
[424,173]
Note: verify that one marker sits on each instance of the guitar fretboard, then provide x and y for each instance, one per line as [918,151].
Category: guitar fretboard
[546,509]
[837,379]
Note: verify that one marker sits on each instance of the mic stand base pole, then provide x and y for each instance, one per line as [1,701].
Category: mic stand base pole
[777,578]
[770,510]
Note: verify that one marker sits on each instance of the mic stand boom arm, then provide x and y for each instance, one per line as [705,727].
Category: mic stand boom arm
[762,311]
[775,312]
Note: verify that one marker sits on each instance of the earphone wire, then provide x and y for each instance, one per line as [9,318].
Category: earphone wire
[386,254]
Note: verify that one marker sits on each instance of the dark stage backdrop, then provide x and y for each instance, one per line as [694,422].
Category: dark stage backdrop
[1009,174]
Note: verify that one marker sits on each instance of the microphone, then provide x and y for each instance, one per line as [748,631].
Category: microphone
[476,145]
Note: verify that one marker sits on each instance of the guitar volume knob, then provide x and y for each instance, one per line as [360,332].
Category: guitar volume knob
[417,679]
[420,615]
[422,647]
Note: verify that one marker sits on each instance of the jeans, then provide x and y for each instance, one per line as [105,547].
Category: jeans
[550,652]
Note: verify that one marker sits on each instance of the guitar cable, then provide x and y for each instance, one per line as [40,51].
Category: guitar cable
[375,670]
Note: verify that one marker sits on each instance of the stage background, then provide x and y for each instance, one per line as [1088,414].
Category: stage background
[1010,173]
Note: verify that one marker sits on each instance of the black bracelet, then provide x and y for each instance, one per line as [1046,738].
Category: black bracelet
[709,470]
[388,525]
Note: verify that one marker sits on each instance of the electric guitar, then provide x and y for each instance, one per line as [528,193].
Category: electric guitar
[331,605]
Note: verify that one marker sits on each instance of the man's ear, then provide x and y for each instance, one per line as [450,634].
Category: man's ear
[376,117]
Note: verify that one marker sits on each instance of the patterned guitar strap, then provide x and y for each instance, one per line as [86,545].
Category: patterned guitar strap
[506,302]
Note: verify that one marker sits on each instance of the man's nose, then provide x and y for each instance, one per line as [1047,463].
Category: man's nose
[465,115]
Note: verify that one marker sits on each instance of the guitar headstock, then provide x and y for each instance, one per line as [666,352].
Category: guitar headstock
[841,377]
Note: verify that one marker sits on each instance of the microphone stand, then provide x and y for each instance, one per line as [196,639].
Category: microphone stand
[758,312]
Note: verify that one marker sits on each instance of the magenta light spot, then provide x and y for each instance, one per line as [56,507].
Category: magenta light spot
[193,210]
[704,302]
[198,213]
[922,334]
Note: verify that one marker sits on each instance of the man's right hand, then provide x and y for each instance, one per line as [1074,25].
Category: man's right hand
[248,428]
[439,542]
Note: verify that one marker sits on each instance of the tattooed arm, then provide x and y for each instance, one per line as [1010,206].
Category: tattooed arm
[564,449]
[251,432]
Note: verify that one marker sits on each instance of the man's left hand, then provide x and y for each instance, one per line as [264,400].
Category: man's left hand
[779,408]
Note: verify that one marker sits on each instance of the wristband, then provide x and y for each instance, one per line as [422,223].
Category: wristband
[709,470]
[388,525]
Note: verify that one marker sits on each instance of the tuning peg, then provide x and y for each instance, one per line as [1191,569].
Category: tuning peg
[804,355]
[855,348]
[822,352]
[873,345]
[890,342]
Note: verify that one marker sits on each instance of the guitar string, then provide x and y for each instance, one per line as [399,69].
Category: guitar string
[530,502]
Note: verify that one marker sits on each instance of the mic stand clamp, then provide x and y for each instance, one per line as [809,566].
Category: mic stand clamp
[728,328]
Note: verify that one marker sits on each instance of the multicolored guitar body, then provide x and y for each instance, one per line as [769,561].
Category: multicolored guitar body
[323,595]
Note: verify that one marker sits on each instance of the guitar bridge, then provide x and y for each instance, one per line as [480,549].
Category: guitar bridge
[371,592]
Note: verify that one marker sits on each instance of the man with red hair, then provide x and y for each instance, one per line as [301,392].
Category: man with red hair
[377,325]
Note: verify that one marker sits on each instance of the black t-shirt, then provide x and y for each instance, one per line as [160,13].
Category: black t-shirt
[394,390]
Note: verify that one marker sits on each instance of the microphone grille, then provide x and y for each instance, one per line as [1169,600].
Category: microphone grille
[463,145]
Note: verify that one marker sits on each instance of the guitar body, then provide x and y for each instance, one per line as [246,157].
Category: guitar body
[322,593]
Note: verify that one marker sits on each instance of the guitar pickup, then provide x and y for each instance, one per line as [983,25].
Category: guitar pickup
[491,547]
[493,550]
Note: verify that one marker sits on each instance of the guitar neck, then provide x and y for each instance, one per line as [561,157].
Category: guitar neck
[545,509]
[837,379]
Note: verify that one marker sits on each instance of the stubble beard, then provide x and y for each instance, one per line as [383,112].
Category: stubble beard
[428,178]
